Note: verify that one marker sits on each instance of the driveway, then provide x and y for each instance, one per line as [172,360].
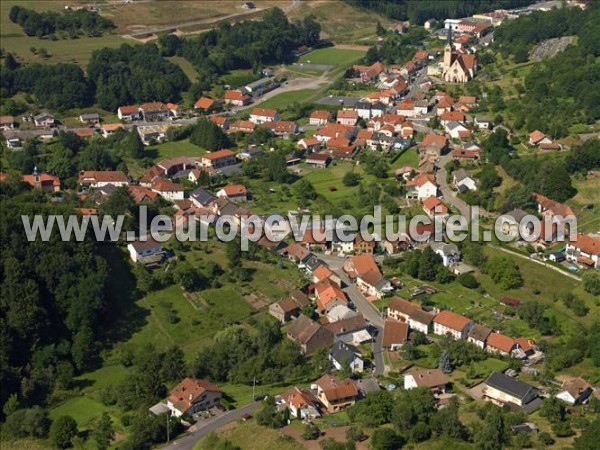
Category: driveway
[188,442]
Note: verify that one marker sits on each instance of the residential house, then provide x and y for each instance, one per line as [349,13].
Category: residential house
[361,246]
[483,123]
[296,252]
[499,344]
[434,206]
[311,336]
[7,123]
[395,334]
[14,143]
[44,120]
[478,335]
[201,198]
[319,117]
[346,356]
[449,253]
[218,159]
[363,269]
[251,152]
[145,251]
[100,178]
[129,113]
[463,181]
[422,186]
[513,223]
[302,403]
[433,379]
[322,272]
[457,130]
[433,145]
[309,144]
[369,73]
[537,138]
[174,109]
[193,395]
[417,318]
[234,192]
[450,323]
[205,104]
[154,111]
[221,121]
[109,129]
[363,109]
[502,390]
[284,310]
[401,244]
[584,250]
[575,391]
[319,160]
[333,131]
[167,189]
[336,395]
[329,295]
[263,115]
[90,118]
[351,330]
[282,128]
[347,117]
[339,312]
[236,98]
[141,194]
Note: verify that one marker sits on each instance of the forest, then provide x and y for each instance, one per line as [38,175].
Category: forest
[71,22]
[418,11]
[53,301]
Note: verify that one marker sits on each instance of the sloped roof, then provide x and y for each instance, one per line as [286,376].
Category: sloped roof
[452,320]
[394,332]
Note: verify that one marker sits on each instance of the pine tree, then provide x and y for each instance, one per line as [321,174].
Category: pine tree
[445,363]
[103,432]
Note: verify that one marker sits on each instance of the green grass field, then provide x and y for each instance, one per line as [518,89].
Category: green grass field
[172,149]
[251,436]
[285,99]
[62,50]
[186,66]
[332,56]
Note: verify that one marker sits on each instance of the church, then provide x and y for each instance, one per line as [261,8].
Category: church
[457,67]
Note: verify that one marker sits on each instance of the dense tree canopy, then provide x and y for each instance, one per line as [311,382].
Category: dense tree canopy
[71,21]
[134,74]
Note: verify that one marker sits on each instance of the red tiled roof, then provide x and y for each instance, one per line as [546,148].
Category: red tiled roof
[536,136]
[107,176]
[263,112]
[394,332]
[218,154]
[587,244]
[235,189]
[128,109]
[204,103]
[185,393]
[320,114]
[500,342]
[452,320]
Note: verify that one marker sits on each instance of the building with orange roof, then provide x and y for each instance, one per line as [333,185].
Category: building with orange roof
[263,115]
[499,344]
[221,121]
[584,249]
[302,403]
[167,189]
[141,194]
[236,98]
[111,128]
[43,181]
[319,117]
[193,395]
[329,295]
[450,323]
[218,159]
[537,138]
[347,117]
[242,126]
[101,178]
[284,309]
[205,104]
[433,206]
[422,186]
[334,130]
[369,73]
[129,113]
[336,395]
[234,192]
[321,273]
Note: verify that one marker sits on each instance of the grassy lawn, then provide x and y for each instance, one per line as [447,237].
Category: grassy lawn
[186,66]
[588,192]
[251,436]
[83,409]
[287,98]
[171,149]
[62,50]
[332,56]
[408,158]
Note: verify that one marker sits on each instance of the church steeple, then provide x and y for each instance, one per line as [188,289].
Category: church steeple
[449,39]
[448,51]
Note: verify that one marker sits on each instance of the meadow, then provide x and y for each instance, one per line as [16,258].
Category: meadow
[332,56]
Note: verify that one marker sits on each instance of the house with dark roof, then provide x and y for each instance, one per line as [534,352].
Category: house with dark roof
[345,356]
[351,330]
[478,335]
[145,251]
[502,390]
[311,336]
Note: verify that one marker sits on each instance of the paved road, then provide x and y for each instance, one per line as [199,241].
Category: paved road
[188,442]
[366,308]
[418,80]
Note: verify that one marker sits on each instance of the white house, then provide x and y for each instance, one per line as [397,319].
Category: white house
[448,252]
[584,250]
[319,117]
[101,178]
[344,355]
[193,395]
[575,391]
[129,113]
[463,181]
[167,189]
[422,186]
[456,130]
[139,250]
[263,115]
[433,379]
[450,323]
